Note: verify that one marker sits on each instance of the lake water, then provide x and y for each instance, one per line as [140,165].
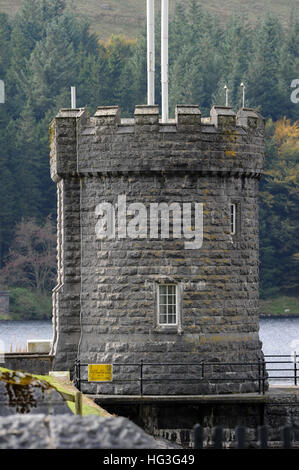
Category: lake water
[280,336]
[14,334]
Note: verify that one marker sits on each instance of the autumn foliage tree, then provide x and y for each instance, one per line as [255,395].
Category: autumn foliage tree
[31,261]
[279,209]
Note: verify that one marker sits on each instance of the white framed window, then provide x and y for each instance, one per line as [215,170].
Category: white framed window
[233,218]
[167,304]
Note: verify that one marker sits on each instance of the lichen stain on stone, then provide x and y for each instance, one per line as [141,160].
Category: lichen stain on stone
[231,138]
[230,153]
[19,389]
[20,397]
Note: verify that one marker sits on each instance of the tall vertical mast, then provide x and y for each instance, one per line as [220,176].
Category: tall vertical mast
[2,92]
[73,97]
[164,59]
[243,94]
[226,95]
[150,52]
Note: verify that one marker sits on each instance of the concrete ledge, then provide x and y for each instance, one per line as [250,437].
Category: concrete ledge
[185,399]
[39,345]
[62,375]
[34,363]
[285,392]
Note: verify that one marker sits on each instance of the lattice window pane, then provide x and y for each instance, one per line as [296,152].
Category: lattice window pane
[168,304]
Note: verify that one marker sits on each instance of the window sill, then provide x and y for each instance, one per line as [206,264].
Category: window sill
[171,329]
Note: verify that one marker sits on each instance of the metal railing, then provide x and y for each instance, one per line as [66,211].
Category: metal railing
[205,371]
[292,360]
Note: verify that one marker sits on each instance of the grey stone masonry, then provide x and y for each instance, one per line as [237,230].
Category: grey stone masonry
[106,302]
[42,431]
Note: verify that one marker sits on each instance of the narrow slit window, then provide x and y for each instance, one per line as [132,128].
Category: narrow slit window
[167,304]
[233,219]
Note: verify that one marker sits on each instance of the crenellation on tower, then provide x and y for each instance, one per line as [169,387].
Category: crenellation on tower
[107,116]
[249,119]
[223,117]
[187,118]
[219,145]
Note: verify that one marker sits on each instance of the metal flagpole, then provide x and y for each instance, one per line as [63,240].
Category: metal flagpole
[243,94]
[150,52]
[164,58]
[226,95]
[2,92]
[73,97]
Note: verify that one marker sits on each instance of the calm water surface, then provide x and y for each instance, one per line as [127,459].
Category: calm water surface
[15,334]
[279,336]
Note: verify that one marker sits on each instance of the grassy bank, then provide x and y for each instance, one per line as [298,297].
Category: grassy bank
[126,17]
[4,317]
[27,304]
[63,386]
[280,306]
[89,407]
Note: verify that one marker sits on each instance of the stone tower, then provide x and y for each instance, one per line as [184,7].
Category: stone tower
[159,298]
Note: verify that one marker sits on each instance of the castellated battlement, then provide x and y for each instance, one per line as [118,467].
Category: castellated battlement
[140,278]
[224,142]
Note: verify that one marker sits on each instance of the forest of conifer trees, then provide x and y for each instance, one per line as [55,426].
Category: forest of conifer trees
[46,49]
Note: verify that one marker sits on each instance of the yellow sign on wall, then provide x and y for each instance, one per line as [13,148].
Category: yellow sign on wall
[99,372]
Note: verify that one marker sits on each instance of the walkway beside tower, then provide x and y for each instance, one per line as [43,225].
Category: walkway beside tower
[175,417]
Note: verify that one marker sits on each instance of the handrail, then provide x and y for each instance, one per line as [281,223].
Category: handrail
[262,375]
[74,398]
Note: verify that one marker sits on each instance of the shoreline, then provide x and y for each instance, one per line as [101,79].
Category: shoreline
[26,319]
[273,315]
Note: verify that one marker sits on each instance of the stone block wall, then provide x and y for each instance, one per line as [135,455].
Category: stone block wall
[32,363]
[105,302]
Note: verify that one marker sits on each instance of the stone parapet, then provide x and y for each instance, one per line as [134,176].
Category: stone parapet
[228,143]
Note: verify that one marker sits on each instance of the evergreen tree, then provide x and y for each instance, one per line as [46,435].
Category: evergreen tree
[235,49]
[93,86]
[5,31]
[136,66]
[279,204]
[196,69]
[289,66]
[51,69]
[47,48]
[263,75]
